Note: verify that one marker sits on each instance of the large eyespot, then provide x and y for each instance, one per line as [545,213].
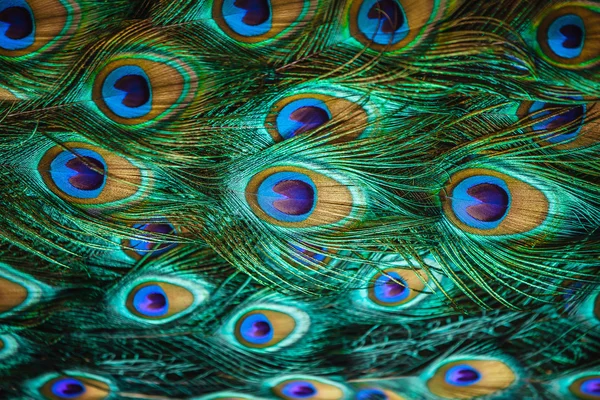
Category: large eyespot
[298,114]
[586,388]
[466,379]
[135,89]
[487,202]
[74,387]
[8,345]
[567,34]
[158,300]
[255,21]
[268,328]
[18,291]
[85,174]
[376,393]
[391,25]
[569,123]
[297,197]
[395,287]
[138,247]
[307,387]
[32,25]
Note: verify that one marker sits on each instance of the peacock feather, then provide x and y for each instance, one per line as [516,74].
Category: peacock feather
[299,200]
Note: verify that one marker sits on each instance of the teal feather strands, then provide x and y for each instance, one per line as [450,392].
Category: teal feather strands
[299,200]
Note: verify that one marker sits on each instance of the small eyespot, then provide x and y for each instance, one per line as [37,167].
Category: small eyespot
[158,300]
[18,291]
[396,287]
[268,329]
[468,378]
[586,388]
[307,387]
[375,393]
[138,247]
[75,387]
[8,346]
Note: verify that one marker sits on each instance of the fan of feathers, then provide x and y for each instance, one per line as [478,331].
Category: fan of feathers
[299,199]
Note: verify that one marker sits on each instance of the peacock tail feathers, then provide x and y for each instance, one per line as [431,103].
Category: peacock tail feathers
[303,199]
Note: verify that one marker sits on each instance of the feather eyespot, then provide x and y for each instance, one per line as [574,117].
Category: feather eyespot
[307,387]
[268,328]
[225,396]
[18,291]
[396,287]
[586,388]
[137,248]
[256,21]
[391,25]
[8,346]
[158,299]
[303,113]
[474,377]
[85,174]
[375,393]
[32,25]
[488,202]
[75,387]
[298,197]
[136,89]
[567,34]
[570,123]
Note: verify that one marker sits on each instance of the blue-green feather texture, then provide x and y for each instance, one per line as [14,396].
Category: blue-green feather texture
[300,199]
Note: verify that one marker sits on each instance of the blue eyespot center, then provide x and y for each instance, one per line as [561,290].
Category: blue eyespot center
[68,388]
[371,394]
[383,21]
[462,375]
[481,202]
[566,36]
[142,247]
[248,17]
[287,196]
[591,387]
[81,173]
[151,301]
[302,116]
[299,390]
[391,288]
[304,255]
[256,329]
[573,115]
[127,92]
[17,26]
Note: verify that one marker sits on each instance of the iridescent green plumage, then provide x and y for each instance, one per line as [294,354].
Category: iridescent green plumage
[304,199]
